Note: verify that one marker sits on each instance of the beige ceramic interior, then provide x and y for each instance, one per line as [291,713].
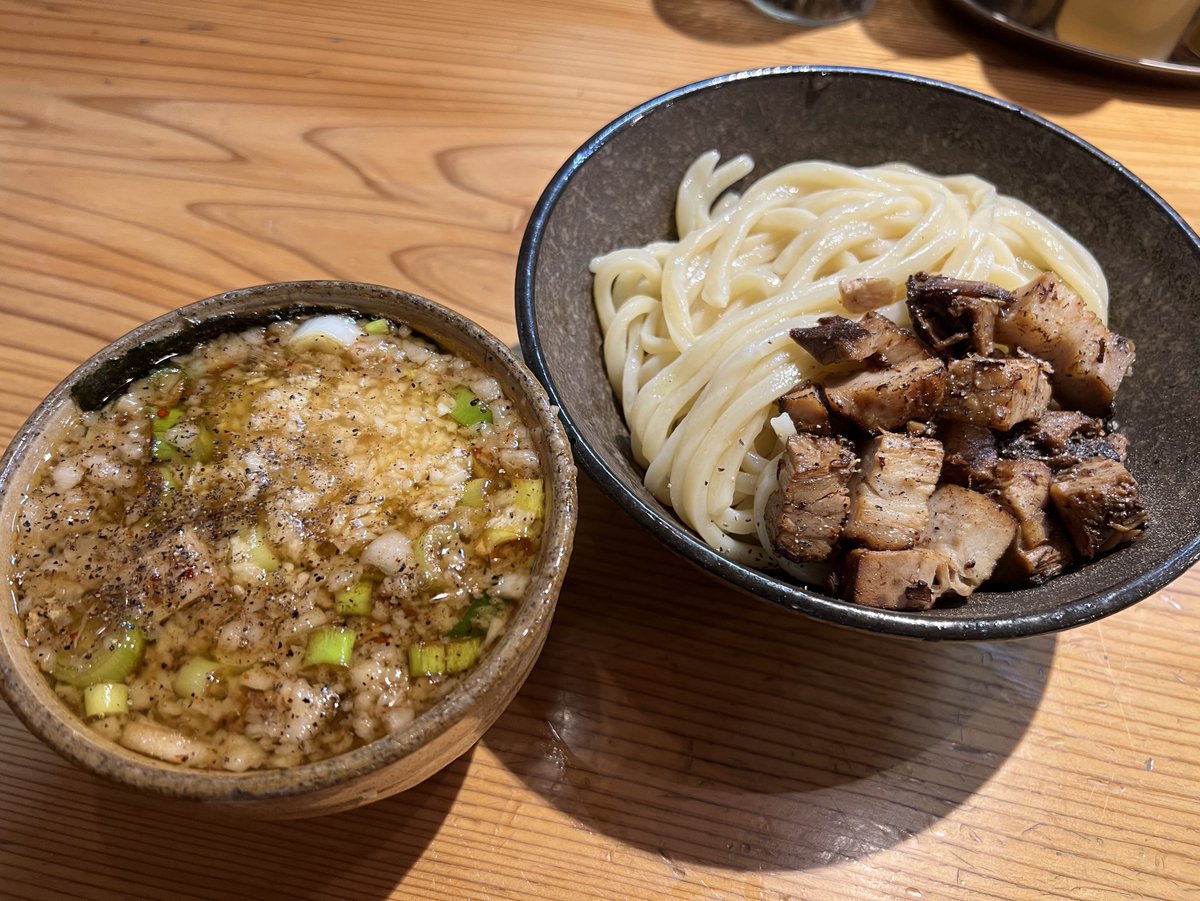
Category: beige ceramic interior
[390,764]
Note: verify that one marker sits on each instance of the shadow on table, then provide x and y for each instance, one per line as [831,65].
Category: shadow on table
[721,21]
[675,715]
[1017,70]
[103,841]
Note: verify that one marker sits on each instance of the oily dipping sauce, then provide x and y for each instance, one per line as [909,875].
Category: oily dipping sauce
[280,546]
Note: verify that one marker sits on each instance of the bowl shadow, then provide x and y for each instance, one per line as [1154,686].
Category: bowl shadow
[363,853]
[1017,67]
[700,724]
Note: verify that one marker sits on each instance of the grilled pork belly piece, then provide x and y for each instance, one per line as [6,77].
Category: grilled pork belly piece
[889,497]
[1040,550]
[1099,504]
[955,316]
[1050,321]
[893,580]
[805,409]
[804,516]
[965,537]
[903,381]
[881,400]
[970,454]
[861,295]
[942,416]
[835,339]
[997,393]
[1062,438]
[971,531]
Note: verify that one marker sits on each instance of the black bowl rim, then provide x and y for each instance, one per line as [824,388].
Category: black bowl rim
[683,541]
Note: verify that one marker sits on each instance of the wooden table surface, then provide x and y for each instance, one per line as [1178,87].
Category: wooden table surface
[154,153]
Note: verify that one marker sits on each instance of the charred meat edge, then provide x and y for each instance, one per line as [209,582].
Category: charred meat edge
[805,515]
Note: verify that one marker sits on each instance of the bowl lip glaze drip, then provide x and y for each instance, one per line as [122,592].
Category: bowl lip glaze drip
[185,326]
[684,541]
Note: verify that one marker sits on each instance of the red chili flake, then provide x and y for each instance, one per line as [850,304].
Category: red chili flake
[163,413]
[190,572]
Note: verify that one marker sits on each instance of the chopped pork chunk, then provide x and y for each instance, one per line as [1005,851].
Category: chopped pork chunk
[893,580]
[1062,438]
[997,393]
[805,515]
[1051,321]
[835,339]
[970,453]
[954,316]
[1041,549]
[1099,504]
[880,400]
[958,406]
[971,531]
[889,498]
[176,571]
[861,295]
[903,381]
[893,345]
[807,411]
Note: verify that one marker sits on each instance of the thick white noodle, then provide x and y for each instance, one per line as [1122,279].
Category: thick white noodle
[696,330]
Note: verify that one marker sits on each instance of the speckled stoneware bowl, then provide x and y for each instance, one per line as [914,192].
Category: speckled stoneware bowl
[618,190]
[389,764]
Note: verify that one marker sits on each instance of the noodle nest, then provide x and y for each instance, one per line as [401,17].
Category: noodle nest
[696,341]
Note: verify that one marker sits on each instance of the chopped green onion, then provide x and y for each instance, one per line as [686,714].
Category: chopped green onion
[194,677]
[427,659]
[165,420]
[118,656]
[163,450]
[493,538]
[204,448]
[248,550]
[466,624]
[468,409]
[160,423]
[106,699]
[438,658]
[170,476]
[325,334]
[166,376]
[168,383]
[331,645]
[531,495]
[355,600]
[462,653]
[473,492]
[377,327]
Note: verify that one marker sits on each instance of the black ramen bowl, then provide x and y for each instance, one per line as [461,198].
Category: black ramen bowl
[618,190]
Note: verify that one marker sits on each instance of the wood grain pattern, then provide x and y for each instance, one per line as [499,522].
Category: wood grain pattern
[675,740]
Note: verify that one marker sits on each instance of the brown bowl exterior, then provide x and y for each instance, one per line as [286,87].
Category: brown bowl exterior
[390,764]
